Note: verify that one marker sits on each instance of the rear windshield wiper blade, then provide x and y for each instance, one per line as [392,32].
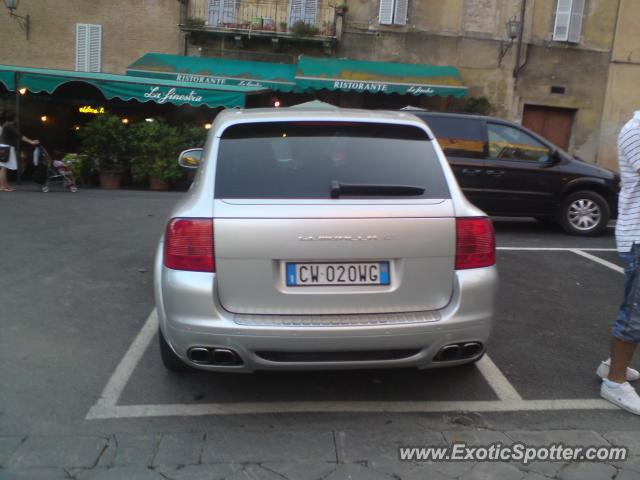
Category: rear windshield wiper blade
[338,189]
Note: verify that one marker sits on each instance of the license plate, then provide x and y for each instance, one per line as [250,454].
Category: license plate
[319,274]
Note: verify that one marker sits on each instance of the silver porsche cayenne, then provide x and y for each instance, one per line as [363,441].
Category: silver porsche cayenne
[321,239]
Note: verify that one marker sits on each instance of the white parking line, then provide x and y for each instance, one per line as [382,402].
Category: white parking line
[124,370]
[509,400]
[179,410]
[599,260]
[496,379]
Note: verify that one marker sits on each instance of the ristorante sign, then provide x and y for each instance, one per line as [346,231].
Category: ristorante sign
[312,82]
[377,87]
[212,80]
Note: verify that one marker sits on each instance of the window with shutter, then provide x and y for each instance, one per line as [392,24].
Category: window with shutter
[303,10]
[575,24]
[385,17]
[310,11]
[401,11]
[95,48]
[563,18]
[81,47]
[221,12]
[88,47]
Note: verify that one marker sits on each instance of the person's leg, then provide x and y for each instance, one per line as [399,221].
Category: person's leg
[621,353]
[626,335]
[3,178]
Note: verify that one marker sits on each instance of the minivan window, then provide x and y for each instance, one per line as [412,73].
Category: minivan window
[509,143]
[302,160]
[458,137]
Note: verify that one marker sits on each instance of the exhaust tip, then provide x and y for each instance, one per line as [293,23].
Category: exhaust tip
[458,351]
[224,356]
[199,355]
[471,349]
[449,352]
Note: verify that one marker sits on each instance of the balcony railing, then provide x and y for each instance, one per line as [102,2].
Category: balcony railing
[289,18]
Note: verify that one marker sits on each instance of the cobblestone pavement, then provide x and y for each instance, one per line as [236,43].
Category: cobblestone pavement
[271,455]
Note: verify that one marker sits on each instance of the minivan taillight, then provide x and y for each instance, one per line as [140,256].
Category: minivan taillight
[475,243]
[188,245]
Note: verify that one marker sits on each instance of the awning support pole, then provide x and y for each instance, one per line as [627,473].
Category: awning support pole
[18,156]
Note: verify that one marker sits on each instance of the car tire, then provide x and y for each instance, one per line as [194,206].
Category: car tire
[170,360]
[584,213]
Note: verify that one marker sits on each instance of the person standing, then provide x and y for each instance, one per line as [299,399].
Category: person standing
[615,372]
[10,137]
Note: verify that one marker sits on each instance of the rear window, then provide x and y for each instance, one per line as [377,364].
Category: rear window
[458,137]
[301,160]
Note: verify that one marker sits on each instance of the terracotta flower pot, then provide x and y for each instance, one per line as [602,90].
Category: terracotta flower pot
[341,10]
[158,185]
[110,181]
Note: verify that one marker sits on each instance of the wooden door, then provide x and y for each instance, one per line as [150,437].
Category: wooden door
[554,124]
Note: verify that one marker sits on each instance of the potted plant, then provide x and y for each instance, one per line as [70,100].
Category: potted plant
[80,167]
[283,26]
[155,148]
[303,29]
[341,9]
[329,29]
[105,140]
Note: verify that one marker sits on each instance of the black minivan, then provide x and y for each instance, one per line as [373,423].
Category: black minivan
[507,170]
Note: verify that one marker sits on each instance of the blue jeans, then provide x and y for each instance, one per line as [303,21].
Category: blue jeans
[627,324]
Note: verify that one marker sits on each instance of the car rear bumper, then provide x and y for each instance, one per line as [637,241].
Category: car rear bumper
[190,316]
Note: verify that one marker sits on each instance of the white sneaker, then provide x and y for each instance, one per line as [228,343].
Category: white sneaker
[603,371]
[624,396]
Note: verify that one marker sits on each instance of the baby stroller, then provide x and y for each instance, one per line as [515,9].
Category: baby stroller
[50,171]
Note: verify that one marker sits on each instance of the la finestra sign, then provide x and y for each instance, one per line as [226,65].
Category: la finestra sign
[171,95]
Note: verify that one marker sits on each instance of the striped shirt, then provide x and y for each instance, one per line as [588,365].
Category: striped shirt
[628,224]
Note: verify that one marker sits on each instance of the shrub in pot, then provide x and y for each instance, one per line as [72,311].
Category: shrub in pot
[155,147]
[80,167]
[105,143]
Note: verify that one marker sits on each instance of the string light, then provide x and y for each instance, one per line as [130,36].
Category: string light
[125,120]
[44,119]
[207,126]
[22,91]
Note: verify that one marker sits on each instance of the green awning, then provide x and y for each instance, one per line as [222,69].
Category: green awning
[7,79]
[215,71]
[378,77]
[130,88]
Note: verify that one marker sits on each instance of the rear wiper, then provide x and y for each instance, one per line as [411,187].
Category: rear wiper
[338,189]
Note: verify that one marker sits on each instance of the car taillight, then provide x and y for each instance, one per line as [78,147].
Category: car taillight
[475,243]
[188,245]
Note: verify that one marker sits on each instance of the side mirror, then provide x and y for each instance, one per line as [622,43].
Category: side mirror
[553,158]
[190,158]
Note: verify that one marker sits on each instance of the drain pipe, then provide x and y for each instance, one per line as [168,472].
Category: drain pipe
[518,68]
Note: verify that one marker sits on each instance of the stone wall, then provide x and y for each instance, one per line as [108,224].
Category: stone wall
[129,30]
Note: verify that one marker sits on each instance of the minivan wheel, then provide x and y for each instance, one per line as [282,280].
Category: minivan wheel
[170,360]
[584,213]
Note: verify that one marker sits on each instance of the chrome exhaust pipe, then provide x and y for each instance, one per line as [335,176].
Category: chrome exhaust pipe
[199,355]
[471,349]
[448,353]
[225,356]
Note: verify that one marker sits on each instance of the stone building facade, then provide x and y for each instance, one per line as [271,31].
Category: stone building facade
[576,91]
[129,29]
